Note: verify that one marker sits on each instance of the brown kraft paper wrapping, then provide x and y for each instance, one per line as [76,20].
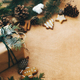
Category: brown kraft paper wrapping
[4,56]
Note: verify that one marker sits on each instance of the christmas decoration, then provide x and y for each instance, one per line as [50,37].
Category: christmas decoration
[51,7]
[35,78]
[4,59]
[34,20]
[4,21]
[38,8]
[71,11]
[27,78]
[21,13]
[23,63]
[12,42]
[28,72]
[60,18]
[49,24]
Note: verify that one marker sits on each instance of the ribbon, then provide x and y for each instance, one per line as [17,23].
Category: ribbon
[2,37]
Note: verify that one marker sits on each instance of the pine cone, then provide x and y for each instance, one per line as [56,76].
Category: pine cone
[23,63]
[4,21]
[21,12]
[71,11]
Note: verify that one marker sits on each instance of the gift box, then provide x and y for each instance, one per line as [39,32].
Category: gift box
[10,56]
[19,54]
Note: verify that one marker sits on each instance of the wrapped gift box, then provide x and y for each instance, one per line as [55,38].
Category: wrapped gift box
[19,54]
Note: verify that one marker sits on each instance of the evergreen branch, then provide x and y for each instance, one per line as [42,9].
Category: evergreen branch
[14,3]
[37,1]
[26,78]
[51,8]
[18,44]
[34,78]
[15,27]
[4,11]
[11,78]
[1,4]
[32,13]
[15,42]
[41,76]
[10,40]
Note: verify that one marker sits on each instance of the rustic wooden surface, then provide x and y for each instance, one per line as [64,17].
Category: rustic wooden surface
[54,52]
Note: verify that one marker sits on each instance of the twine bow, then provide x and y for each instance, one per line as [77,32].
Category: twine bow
[2,37]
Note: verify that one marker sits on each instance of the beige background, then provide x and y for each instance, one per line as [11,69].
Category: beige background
[54,52]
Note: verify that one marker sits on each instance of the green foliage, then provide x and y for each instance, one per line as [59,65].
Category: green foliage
[14,42]
[6,1]
[26,78]
[31,13]
[7,30]
[15,27]
[14,4]
[4,10]
[51,8]
[34,78]
[11,78]
[37,1]
[18,44]
[11,40]
[1,4]
[41,76]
